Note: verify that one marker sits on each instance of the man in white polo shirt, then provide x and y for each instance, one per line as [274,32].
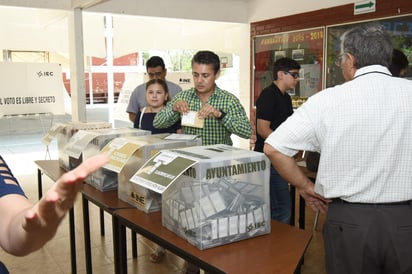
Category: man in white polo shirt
[363,130]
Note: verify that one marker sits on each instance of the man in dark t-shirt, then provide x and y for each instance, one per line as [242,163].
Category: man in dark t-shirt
[273,107]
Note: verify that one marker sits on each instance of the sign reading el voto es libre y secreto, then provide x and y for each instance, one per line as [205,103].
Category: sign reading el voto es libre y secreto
[29,88]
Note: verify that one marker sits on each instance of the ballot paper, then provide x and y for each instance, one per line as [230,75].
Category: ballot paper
[191,119]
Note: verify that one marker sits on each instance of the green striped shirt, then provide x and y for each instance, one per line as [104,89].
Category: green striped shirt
[214,131]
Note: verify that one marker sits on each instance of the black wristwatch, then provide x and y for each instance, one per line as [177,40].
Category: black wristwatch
[221,116]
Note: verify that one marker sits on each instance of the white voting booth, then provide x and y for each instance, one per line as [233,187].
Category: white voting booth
[34,89]
[31,88]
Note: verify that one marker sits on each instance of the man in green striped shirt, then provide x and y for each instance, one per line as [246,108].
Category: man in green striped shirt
[220,110]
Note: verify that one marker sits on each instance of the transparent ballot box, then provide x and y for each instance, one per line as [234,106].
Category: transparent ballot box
[85,144]
[128,154]
[64,132]
[211,195]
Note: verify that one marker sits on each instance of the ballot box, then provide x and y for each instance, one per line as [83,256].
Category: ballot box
[87,143]
[128,154]
[63,132]
[211,195]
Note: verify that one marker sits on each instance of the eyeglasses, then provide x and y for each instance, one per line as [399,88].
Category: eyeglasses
[295,75]
[338,60]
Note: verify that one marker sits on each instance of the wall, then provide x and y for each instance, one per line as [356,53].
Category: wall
[212,10]
[267,9]
[317,18]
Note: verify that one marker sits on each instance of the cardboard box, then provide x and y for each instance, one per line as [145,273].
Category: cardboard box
[128,154]
[211,195]
[87,143]
[64,132]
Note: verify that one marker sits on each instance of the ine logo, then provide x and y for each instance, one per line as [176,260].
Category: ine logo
[184,80]
[45,74]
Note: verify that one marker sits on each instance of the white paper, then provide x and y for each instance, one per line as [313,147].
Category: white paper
[223,227]
[189,118]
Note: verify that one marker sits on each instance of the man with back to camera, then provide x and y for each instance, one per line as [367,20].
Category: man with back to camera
[156,69]
[364,182]
[273,107]
[221,111]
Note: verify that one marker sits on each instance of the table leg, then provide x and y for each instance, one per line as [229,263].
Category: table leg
[72,241]
[86,227]
[119,246]
[302,212]
[134,244]
[292,191]
[301,217]
[102,232]
[39,183]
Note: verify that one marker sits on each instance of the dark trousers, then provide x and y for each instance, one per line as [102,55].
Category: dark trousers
[368,239]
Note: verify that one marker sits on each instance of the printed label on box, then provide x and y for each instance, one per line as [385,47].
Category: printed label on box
[119,151]
[161,171]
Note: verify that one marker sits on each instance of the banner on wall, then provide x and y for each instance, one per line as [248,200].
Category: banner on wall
[31,88]
[305,47]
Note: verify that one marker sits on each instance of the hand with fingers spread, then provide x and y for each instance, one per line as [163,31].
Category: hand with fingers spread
[26,227]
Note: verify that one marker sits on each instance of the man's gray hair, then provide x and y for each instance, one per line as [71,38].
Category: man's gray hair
[370,44]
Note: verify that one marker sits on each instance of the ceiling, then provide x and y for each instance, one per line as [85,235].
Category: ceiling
[211,10]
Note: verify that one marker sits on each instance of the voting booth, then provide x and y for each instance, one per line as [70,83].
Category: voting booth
[30,88]
[211,195]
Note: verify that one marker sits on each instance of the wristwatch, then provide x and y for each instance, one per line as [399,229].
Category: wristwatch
[222,115]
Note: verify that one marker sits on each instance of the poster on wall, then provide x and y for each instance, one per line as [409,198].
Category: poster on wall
[31,88]
[304,46]
[399,29]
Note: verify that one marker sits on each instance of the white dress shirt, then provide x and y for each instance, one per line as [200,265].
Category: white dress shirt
[363,129]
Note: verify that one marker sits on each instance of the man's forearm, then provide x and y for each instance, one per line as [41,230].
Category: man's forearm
[165,118]
[287,167]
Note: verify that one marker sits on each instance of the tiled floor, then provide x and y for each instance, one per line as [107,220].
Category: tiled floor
[21,148]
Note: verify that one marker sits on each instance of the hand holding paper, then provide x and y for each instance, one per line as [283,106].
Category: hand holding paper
[191,119]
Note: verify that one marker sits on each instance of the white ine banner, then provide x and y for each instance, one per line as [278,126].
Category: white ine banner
[30,88]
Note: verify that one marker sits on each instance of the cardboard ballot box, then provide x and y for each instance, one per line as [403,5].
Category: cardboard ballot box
[64,132]
[87,143]
[128,154]
[211,195]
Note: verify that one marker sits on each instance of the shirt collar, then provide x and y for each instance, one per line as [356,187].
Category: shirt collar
[372,68]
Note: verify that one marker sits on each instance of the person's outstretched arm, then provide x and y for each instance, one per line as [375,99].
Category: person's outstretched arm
[25,227]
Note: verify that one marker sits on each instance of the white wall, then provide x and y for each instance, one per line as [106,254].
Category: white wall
[260,10]
[213,10]
[33,29]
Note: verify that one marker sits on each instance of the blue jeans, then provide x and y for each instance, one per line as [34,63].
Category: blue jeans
[280,200]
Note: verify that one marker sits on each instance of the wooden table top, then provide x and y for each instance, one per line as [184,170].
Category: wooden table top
[278,252]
